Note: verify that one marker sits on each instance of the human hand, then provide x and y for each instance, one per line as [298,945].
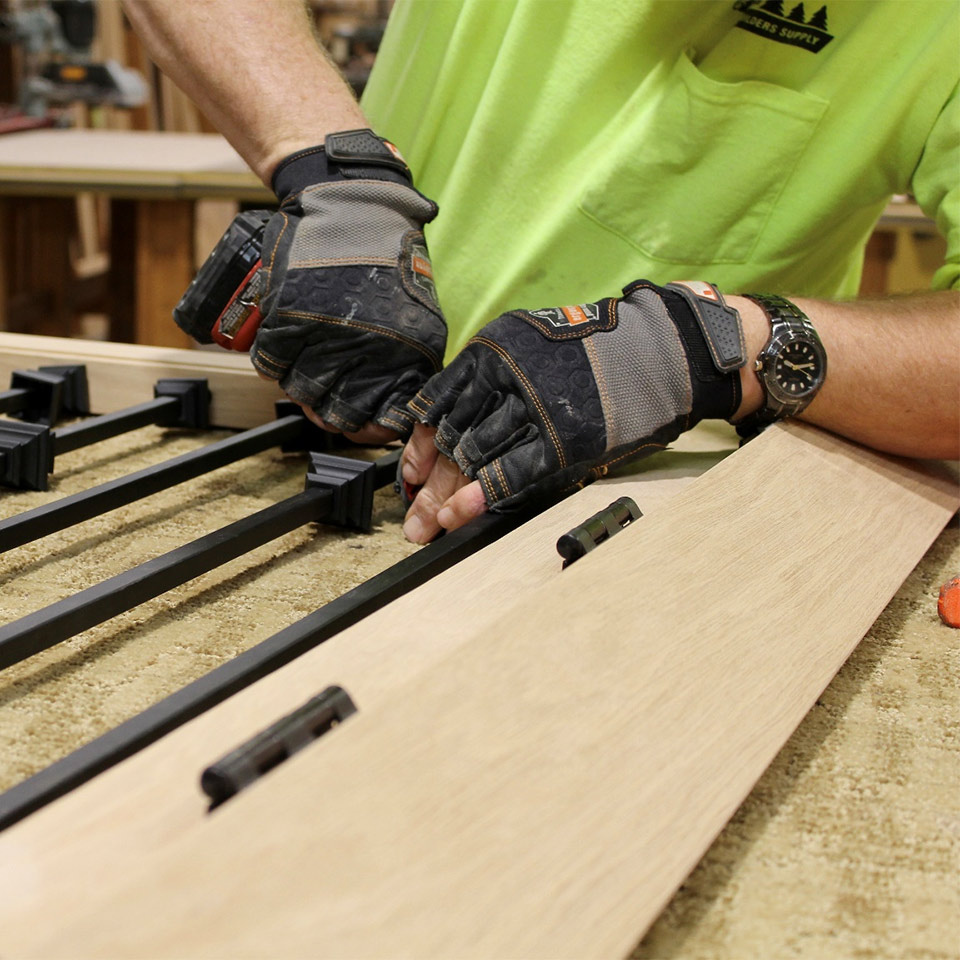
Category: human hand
[351,325]
[543,401]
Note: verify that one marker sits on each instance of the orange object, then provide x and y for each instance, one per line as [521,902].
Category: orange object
[948,606]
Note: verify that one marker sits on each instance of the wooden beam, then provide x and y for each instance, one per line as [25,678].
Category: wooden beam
[542,787]
[122,374]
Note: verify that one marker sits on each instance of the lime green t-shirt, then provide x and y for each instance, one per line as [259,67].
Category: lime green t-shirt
[575,145]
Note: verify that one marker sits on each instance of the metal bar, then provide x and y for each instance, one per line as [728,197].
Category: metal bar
[177,709]
[13,401]
[63,513]
[386,469]
[158,411]
[68,617]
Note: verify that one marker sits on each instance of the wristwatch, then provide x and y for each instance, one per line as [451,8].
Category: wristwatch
[791,367]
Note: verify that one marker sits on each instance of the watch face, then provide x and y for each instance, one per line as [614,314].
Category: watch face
[797,370]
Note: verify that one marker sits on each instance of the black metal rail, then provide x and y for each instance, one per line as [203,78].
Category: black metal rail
[161,411]
[60,514]
[28,450]
[338,489]
[149,726]
[68,617]
[14,400]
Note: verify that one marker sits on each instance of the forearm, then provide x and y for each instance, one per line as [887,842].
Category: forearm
[893,370]
[254,68]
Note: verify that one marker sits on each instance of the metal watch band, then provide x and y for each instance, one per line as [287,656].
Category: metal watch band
[783,314]
[787,321]
[719,322]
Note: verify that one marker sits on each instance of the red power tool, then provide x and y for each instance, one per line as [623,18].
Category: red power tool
[222,303]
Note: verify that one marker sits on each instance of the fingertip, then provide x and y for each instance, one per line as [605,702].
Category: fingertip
[316,419]
[413,529]
[466,504]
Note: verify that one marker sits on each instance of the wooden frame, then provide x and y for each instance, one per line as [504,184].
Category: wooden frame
[534,778]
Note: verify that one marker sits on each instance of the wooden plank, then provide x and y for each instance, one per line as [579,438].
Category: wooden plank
[122,374]
[379,654]
[542,789]
[126,163]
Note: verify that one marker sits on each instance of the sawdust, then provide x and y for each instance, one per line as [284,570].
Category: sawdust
[847,847]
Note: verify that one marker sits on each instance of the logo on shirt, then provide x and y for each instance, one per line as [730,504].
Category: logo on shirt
[769,19]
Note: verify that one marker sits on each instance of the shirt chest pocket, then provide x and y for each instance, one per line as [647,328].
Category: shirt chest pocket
[696,167]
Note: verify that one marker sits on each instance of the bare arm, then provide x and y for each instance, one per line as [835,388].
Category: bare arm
[254,68]
[893,370]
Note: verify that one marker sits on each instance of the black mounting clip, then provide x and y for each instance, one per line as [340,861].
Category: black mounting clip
[75,391]
[269,748]
[596,529]
[194,396]
[47,394]
[26,454]
[352,483]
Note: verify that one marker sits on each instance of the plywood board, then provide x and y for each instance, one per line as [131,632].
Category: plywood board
[542,788]
[122,374]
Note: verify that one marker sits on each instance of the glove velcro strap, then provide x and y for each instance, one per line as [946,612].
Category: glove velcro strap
[351,155]
[364,147]
[716,393]
[720,324]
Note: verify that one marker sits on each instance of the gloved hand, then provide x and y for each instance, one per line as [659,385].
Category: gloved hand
[541,401]
[351,324]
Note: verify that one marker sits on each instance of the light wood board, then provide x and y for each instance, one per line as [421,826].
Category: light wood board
[126,163]
[121,374]
[542,788]
[369,659]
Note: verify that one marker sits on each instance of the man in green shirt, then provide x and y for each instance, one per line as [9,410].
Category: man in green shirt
[572,148]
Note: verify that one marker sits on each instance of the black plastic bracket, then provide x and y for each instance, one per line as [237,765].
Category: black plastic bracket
[75,394]
[26,454]
[194,395]
[42,395]
[352,483]
[596,529]
[47,394]
[269,748]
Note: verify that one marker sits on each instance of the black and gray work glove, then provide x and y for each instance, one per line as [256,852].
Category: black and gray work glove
[541,401]
[351,324]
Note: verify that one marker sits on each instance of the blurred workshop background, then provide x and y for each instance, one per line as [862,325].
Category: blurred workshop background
[113,185]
